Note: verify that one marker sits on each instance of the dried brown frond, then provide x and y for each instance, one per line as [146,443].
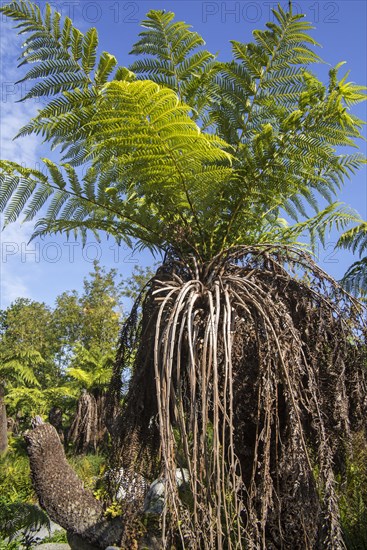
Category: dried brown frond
[250,373]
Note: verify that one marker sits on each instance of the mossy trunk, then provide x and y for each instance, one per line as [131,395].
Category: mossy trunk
[61,492]
[67,502]
[3,422]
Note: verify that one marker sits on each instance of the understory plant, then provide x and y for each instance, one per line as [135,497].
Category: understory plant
[248,360]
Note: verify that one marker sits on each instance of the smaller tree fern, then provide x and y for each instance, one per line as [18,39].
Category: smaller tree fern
[91,372]
[355,278]
[90,369]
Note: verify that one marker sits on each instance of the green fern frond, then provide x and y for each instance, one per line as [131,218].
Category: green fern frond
[94,367]
[169,60]
[26,517]
[354,239]
[19,366]
[335,215]
[80,375]
[151,141]
[106,65]
[66,59]
[355,278]
[88,50]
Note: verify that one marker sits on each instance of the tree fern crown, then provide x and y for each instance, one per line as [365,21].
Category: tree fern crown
[180,150]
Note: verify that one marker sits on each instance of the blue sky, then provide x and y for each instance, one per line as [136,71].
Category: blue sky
[43,269]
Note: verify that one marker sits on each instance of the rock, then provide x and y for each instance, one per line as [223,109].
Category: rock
[38,534]
[154,500]
[52,546]
[44,533]
[77,543]
[112,548]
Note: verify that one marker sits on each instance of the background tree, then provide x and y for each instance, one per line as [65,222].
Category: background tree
[27,325]
[93,318]
[239,359]
[81,332]
[88,325]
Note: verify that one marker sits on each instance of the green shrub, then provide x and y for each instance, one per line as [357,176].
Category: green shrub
[15,479]
[57,536]
[88,468]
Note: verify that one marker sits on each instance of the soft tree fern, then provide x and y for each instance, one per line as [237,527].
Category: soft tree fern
[244,372]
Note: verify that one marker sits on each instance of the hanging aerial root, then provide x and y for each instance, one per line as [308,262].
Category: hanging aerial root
[248,374]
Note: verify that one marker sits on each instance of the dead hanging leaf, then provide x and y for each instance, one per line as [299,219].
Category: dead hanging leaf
[258,406]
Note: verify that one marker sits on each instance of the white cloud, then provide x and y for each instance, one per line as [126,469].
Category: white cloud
[15,277]
[14,115]
[11,288]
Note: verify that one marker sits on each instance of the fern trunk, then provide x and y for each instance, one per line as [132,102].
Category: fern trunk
[88,428]
[62,495]
[3,422]
[253,380]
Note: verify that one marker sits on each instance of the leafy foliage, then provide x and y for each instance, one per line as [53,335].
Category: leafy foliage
[354,497]
[217,153]
[15,479]
[27,334]
[167,47]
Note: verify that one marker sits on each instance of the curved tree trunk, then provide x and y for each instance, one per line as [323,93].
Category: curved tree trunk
[3,422]
[62,495]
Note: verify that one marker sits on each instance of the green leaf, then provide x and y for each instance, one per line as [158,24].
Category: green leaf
[105,67]
[89,50]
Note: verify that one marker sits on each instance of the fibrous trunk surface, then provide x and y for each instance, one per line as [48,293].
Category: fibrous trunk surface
[61,493]
[88,429]
[248,372]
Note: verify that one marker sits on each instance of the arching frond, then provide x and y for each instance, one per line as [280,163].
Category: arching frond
[65,67]
[151,166]
[355,278]
[354,239]
[284,123]
[151,174]
[170,57]
[66,59]
[335,216]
